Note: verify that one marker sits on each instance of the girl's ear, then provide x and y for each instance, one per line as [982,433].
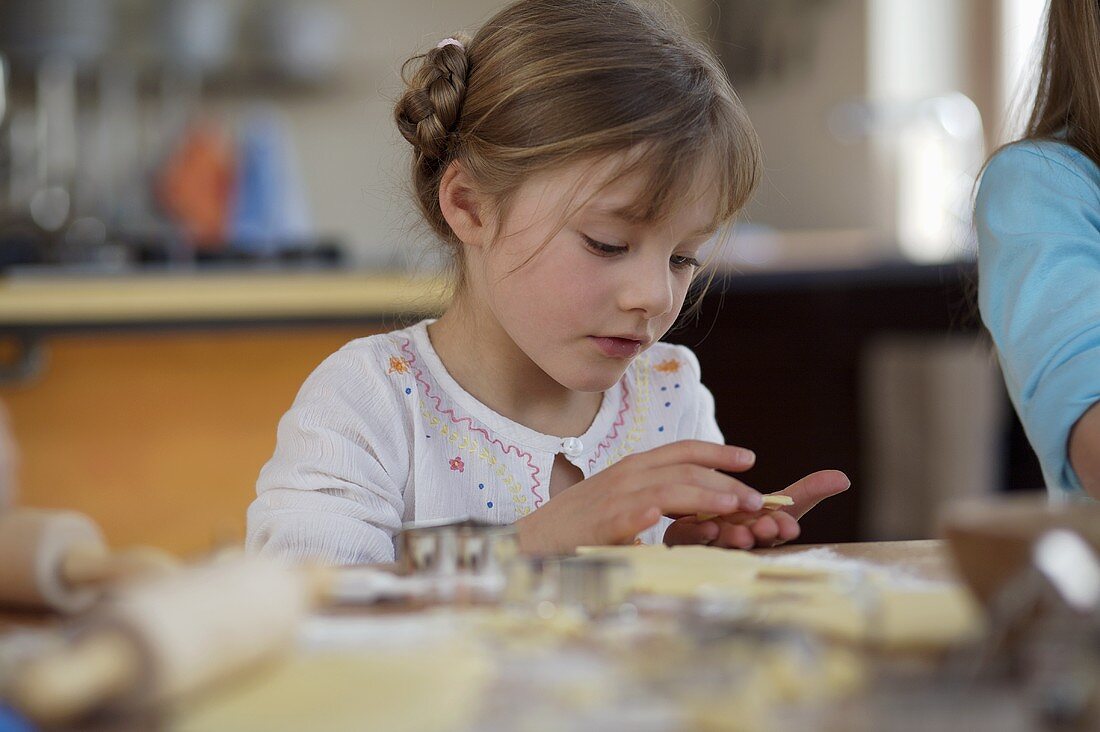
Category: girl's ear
[460,203]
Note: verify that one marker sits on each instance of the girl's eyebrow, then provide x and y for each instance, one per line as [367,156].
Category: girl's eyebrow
[628,215]
[707,230]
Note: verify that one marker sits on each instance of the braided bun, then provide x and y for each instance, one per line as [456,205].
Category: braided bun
[428,112]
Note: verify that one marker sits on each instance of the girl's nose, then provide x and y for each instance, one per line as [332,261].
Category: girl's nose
[648,289]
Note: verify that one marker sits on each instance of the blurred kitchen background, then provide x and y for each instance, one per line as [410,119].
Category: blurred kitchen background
[199,199]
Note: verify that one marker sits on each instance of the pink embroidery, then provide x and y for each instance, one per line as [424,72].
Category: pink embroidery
[620,420]
[410,359]
[457,464]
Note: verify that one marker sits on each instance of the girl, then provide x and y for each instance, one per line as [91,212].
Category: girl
[574,157]
[1038,219]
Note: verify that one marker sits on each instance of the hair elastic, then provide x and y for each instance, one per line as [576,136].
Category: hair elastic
[450,42]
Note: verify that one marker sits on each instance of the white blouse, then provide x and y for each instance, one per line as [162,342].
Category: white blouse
[380,435]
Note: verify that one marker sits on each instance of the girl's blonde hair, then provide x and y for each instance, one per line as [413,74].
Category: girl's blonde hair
[546,83]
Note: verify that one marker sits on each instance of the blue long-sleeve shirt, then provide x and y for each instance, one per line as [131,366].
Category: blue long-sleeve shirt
[1038,221]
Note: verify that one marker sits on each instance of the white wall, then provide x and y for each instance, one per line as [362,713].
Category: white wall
[812,180]
[354,161]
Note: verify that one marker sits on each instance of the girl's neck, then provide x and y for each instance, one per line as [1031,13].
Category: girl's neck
[487,363]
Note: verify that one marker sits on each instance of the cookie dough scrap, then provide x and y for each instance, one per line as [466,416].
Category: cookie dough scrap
[683,571]
[871,608]
[433,688]
[777,679]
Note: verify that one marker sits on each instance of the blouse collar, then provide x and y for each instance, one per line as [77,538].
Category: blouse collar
[574,447]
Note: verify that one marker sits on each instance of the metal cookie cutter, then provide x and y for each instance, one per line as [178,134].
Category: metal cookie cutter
[468,554]
[595,585]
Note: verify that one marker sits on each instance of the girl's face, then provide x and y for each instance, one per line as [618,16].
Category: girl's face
[603,288]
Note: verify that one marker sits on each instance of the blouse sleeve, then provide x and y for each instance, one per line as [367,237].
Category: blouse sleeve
[1038,222]
[333,490]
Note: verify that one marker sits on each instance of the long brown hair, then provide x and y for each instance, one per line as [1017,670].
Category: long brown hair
[545,83]
[1067,98]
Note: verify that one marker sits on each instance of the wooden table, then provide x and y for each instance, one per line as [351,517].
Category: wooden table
[926,558]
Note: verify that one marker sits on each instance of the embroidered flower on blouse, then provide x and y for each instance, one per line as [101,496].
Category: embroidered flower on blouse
[457,464]
[668,366]
[398,365]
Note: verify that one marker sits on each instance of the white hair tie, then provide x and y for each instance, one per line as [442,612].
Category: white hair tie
[450,42]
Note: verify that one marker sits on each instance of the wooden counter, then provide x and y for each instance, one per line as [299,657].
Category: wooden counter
[37,302]
[150,403]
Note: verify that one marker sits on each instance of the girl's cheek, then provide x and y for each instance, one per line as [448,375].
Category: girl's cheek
[681,296]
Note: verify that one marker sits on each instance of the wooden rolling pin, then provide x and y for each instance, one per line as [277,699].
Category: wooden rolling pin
[158,640]
[57,560]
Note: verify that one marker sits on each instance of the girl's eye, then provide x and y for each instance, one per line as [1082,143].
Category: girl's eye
[681,262]
[678,262]
[601,248]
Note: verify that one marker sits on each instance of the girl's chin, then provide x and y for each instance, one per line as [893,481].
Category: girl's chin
[594,380]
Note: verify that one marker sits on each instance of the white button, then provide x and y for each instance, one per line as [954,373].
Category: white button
[572,447]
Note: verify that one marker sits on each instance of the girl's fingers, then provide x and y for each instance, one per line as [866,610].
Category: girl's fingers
[813,489]
[696,452]
[767,530]
[686,500]
[735,536]
[788,526]
[628,524]
[691,532]
[764,530]
[705,478]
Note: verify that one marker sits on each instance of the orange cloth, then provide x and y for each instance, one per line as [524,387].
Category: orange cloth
[195,186]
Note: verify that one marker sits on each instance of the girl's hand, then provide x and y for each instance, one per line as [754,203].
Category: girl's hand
[744,530]
[614,505]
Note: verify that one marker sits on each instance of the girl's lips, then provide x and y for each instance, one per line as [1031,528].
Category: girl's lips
[617,347]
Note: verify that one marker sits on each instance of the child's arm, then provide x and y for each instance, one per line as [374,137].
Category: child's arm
[1039,293]
[332,492]
[1084,450]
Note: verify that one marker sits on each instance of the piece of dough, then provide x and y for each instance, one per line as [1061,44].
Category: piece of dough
[866,606]
[434,687]
[778,679]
